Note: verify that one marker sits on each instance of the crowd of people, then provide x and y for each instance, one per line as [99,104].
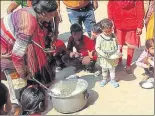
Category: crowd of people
[30,45]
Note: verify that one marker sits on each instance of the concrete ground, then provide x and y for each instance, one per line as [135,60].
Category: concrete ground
[128,99]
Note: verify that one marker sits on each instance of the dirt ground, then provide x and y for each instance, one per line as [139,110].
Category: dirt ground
[128,99]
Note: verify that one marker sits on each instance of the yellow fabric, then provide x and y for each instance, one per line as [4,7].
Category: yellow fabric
[150,28]
[75,3]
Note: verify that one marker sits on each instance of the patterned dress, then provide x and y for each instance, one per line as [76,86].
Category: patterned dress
[105,47]
[17,29]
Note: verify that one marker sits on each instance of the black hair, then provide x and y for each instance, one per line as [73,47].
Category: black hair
[106,23]
[97,28]
[75,28]
[3,95]
[31,99]
[149,43]
[41,6]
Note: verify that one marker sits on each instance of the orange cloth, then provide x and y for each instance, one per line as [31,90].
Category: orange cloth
[76,4]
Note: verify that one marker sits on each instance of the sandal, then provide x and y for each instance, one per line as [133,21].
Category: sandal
[114,83]
[103,83]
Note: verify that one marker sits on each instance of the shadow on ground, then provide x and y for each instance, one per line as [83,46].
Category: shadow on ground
[91,80]
[122,75]
[120,70]
[93,96]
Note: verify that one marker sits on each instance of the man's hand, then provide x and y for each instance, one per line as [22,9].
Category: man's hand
[95,4]
[139,31]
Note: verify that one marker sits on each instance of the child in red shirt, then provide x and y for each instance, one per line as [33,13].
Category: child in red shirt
[84,56]
[59,50]
[127,17]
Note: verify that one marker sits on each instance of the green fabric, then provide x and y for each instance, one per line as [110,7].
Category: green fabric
[108,47]
[23,3]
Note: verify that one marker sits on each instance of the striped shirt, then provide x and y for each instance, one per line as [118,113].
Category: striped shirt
[16,30]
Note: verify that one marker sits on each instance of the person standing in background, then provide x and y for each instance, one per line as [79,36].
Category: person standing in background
[81,11]
[16,3]
[149,20]
[127,17]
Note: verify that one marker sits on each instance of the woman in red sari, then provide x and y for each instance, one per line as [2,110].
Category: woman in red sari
[17,30]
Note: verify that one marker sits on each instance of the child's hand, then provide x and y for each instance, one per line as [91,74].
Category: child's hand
[139,31]
[149,59]
[77,55]
[148,66]
[93,35]
[116,61]
[72,54]
[90,54]
[145,61]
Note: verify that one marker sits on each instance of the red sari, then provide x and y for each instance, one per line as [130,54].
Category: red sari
[26,27]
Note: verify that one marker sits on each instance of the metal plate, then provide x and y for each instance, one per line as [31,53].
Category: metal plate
[146,85]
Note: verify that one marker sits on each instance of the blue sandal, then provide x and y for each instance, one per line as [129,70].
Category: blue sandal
[103,83]
[114,83]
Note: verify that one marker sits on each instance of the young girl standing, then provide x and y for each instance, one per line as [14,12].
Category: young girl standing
[107,48]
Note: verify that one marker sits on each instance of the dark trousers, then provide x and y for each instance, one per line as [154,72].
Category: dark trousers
[59,61]
[149,71]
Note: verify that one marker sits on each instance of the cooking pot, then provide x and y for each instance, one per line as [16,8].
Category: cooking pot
[71,95]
